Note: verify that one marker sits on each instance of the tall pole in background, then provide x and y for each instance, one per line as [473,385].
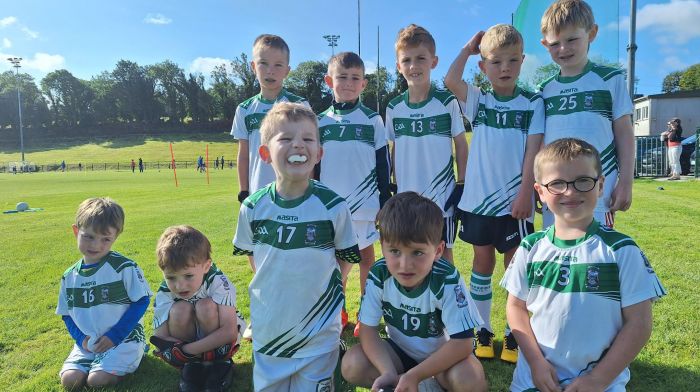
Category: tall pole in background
[631,48]
[332,42]
[378,91]
[15,63]
[359,45]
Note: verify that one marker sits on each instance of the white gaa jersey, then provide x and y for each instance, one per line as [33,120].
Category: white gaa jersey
[584,107]
[98,297]
[422,134]
[350,139]
[500,126]
[246,126]
[215,286]
[421,320]
[575,291]
[296,292]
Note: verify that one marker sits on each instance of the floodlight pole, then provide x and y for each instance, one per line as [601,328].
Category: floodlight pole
[15,63]
[631,48]
[332,42]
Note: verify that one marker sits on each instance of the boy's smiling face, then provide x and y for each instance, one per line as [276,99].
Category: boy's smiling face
[569,48]
[294,150]
[415,64]
[347,83]
[271,66]
[502,68]
[93,244]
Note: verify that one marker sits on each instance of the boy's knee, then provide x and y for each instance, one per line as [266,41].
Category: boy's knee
[100,378]
[354,365]
[466,376]
[206,309]
[181,313]
[73,379]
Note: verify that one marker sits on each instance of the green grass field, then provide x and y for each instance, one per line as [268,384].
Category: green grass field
[38,246]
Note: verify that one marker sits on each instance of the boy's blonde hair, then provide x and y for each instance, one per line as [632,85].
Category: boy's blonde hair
[410,218]
[345,60]
[270,41]
[500,36]
[100,214]
[181,247]
[284,112]
[563,13]
[412,36]
[565,150]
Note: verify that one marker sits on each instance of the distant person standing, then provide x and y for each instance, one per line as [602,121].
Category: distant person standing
[673,137]
[133,166]
[63,165]
[222,162]
[216,163]
[140,165]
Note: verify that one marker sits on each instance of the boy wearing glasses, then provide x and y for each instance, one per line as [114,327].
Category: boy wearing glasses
[589,288]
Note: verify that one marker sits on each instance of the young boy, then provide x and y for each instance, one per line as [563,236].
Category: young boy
[429,318]
[295,228]
[588,101]
[102,300]
[350,129]
[589,288]
[497,209]
[423,123]
[195,321]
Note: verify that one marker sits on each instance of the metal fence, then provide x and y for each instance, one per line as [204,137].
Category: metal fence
[10,167]
[651,157]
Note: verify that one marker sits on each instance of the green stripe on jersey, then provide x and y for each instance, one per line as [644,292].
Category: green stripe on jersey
[253,121]
[593,278]
[108,293]
[440,125]
[503,119]
[348,132]
[291,235]
[596,101]
[136,335]
[494,203]
[411,322]
[608,159]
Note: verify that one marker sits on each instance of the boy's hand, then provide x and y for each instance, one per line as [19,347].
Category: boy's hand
[84,345]
[586,383]
[472,46]
[172,352]
[242,195]
[621,198]
[102,344]
[407,383]
[522,206]
[545,377]
[385,380]
[454,197]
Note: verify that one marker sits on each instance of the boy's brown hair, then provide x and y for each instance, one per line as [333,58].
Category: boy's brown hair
[101,214]
[181,247]
[564,13]
[566,150]
[345,60]
[500,36]
[284,112]
[410,218]
[270,41]
[412,36]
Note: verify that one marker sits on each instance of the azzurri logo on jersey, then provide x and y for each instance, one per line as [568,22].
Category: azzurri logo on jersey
[592,278]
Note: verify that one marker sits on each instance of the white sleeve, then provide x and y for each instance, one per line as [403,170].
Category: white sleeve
[459,313]
[239,131]
[342,225]
[161,305]
[515,278]
[456,116]
[389,124]
[638,281]
[371,303]
[471,106]
[243,240]
[380,138]
[135,284]
[622,103]
[537,120]
[222,291]
[62,307]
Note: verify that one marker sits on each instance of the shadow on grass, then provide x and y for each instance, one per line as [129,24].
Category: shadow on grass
[656,377]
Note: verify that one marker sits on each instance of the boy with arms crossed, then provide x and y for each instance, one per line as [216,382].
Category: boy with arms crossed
[497,209]
[195,321]
[588,101]
[429,317]
[589,288]
[423,123]
[102,300]
[295,228]
[351,130]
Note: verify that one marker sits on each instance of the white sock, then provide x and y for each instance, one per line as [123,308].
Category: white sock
[480,290]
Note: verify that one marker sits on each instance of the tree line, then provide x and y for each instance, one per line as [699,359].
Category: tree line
[684,80]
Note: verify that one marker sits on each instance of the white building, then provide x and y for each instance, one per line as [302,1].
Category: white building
[651,113]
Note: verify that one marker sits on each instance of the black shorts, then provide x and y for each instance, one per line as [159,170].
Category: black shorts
[503,232]
[449,231]
[407,362]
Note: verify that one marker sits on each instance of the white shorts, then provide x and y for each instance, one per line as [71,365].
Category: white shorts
[366,232]
[607,218]
[273,374]
[119,361]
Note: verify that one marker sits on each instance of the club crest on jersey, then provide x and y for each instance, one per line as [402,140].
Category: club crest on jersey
[310,236]
[461,298]
[358,133]
[588,101]
[592,278]
[324,385]
[224,281]
[517,123]
[647,263]
[433,124]
[432,325]
[105,293]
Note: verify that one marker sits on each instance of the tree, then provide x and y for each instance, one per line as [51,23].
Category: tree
[70,98]
[672,82]
[197,99]
[369,96]
[104,105]
[35,112]
[690,80]
[134,91]
[306,80]
[169,84]
[223,94]
[242,71]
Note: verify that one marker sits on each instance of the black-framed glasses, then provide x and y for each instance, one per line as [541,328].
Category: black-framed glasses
[581,184]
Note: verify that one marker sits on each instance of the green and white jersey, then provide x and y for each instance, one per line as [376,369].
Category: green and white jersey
[350,139]
[575,291]
[584,107]
[246,126]
[98,297]
[296,292]
[500,127]
[422,134]
[421,320]
[215,286]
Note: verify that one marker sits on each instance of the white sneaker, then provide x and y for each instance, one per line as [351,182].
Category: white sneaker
[429,385]
[248,333]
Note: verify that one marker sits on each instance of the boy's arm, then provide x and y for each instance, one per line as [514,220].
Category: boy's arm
[636,330]
[453,351]
[242,164]
[378,356]
[461,155]
[124,326]
[225,334]
[543,374]
[75,332]
[623,133]
[453,79]
[522,205]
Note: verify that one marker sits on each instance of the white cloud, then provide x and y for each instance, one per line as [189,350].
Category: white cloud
[674,23]
[45,62]
[674,63]
[370,67]
[530,66]
[157,19]
[6,43]
[205,65]
[31,34]
[4,22]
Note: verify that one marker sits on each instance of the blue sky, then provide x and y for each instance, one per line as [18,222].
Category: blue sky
[87,37]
